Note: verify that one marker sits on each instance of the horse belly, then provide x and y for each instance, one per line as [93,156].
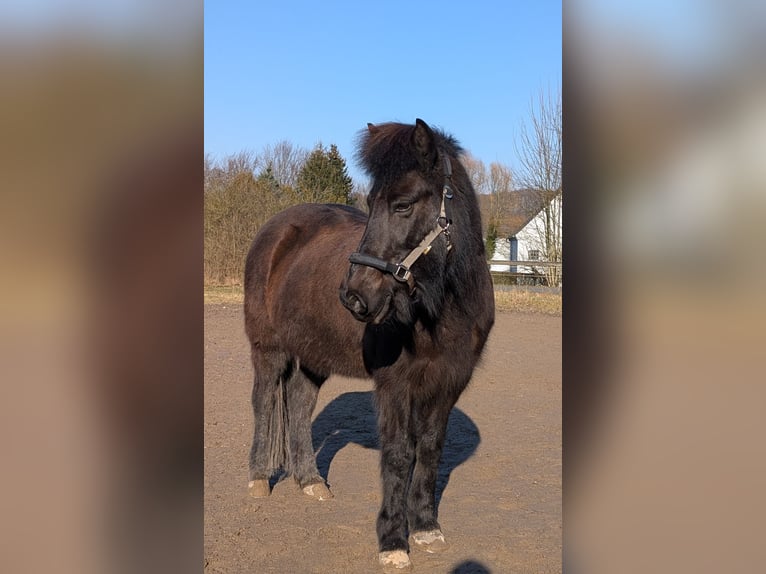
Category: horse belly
[324,350]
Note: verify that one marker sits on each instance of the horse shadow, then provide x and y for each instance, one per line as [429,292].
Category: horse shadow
[352,418]
[470,567]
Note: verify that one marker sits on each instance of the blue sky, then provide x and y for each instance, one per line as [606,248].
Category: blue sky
[307,71]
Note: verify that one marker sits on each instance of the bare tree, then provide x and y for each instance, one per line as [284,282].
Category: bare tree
[359,195]
[500,178]
[496,183]
[286,162]
[242,162]
[241,193]
[539,150]
[500,183]
[477,172]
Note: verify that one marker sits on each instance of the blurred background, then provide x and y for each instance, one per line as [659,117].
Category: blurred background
[100,299]
[101,303]
[665,140]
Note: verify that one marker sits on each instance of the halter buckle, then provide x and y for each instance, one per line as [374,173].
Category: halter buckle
[401,273]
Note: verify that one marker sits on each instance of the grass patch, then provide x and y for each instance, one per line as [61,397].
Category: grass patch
[224,294]
[528,302]
[520,301]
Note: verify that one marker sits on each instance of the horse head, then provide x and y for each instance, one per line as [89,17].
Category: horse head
[399,267]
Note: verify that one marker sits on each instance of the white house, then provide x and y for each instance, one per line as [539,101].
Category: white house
[521,231]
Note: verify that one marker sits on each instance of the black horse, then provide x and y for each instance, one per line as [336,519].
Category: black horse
[419,306]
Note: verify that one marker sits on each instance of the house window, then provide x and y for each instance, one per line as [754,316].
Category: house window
[534,255]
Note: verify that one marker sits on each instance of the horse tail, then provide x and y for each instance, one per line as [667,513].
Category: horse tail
[278,440]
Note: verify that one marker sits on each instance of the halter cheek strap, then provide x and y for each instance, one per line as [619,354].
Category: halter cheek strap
[401,271]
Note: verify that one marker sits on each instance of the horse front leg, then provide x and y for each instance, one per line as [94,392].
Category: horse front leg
[397,455]
[430,427]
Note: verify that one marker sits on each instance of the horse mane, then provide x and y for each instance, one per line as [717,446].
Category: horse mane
[384,150]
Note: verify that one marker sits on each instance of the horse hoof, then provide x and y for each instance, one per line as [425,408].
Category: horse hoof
[259,488]
[395,559]
[431,541]
[318,490]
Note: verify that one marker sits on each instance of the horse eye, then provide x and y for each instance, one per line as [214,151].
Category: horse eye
[402,207]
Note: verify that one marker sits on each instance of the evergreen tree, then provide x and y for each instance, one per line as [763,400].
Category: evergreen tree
[491,240]
[324,177]
[266,177]
[345,185]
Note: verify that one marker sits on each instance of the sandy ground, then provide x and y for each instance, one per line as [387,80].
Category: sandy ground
[499,486]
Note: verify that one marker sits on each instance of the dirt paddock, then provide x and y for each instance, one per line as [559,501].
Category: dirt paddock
[499,487]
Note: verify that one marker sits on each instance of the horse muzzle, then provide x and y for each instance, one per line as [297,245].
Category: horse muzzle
[354,303]
[365,296]
[361,309]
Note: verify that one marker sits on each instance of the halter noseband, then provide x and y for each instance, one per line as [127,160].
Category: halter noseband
[401,271]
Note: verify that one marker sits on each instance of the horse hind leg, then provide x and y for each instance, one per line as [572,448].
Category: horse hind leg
[301,397]
[268,450]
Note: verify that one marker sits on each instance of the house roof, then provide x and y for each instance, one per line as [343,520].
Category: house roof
[512,209]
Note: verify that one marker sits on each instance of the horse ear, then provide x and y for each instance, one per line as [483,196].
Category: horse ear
[373,129]
[424,143]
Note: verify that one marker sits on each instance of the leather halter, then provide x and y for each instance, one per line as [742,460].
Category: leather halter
[401,271]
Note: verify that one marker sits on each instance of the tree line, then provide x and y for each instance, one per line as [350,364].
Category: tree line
[244,190]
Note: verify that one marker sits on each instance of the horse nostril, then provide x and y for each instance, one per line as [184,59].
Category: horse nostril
[357,305]
[354,303]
